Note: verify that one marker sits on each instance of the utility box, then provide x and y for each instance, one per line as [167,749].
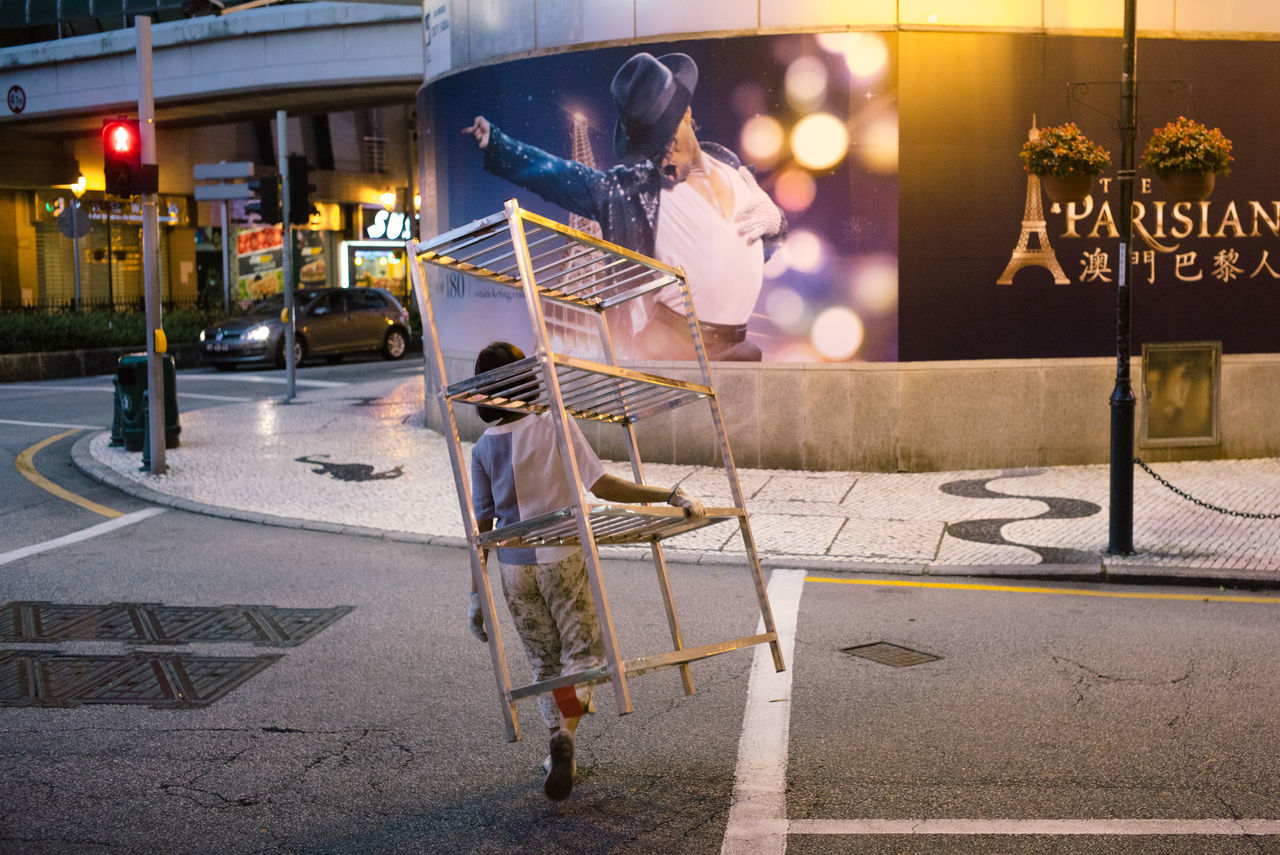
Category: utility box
[131,413]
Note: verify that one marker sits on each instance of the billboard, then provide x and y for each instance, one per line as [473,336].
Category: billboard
[912,231]
[814,118]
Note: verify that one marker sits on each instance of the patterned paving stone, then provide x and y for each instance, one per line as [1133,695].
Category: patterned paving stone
[244,457]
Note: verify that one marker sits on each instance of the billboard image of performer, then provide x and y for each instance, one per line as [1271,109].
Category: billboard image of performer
[687,202]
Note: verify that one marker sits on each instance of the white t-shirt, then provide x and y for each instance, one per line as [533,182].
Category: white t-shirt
[724,272]
[517,473]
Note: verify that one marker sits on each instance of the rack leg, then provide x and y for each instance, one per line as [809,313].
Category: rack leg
[497,653]
[668,600]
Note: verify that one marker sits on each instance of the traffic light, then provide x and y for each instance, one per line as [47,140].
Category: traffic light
[266,198]
[300,207]
[121,156]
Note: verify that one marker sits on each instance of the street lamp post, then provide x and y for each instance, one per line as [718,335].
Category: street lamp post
[1122,400]
[77,190]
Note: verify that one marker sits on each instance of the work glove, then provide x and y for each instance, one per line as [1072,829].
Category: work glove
[757,216]
[475,618]
[691,504]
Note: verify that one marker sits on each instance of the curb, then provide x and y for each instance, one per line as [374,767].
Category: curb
[1090,573]
[60,364]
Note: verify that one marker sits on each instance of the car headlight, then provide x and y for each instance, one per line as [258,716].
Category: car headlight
[259,333]
[202,335]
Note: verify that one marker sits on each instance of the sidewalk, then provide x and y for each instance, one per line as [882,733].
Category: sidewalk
[369,467]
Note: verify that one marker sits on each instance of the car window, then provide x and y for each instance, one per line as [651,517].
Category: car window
[267,306]
[365,299]
[329,304]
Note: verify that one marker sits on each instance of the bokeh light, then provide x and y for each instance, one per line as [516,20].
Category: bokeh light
[795,190]
[878,144]
[866,55]
[806,83]
[837,333]
[761,141]
[820,140]
[873,283]
[804,251]
[788,310]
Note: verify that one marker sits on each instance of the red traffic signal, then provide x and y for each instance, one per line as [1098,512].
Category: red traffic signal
[121,156]
[122,139]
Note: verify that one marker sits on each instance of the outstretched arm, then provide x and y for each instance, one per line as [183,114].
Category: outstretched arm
[572,185]
[614,489]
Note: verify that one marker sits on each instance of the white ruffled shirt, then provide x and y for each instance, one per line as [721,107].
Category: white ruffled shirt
[724,272]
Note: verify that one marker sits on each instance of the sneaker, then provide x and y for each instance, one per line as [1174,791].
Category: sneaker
[559,781]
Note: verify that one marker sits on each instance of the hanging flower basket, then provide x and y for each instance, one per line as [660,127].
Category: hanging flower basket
[1065,160]
[1073,188]
[1188,186]
[1187,155]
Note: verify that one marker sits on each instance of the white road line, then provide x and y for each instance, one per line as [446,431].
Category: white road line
[50,425]
[1051,827]
[231,377]
[758,815]
[26,388]
[83,534]
[234,399]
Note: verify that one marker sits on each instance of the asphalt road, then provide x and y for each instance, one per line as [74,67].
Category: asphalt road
[353,713]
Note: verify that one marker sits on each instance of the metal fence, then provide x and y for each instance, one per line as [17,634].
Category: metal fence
[58,307]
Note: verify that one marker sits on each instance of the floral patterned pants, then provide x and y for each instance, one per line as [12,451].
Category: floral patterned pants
[555,618]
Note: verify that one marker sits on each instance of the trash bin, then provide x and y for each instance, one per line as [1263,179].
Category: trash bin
[130,417]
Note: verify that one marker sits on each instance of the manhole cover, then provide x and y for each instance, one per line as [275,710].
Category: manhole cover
[151,623]
[163,681]
[890,654]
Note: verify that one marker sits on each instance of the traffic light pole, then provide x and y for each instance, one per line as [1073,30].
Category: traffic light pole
[151,251]
[286,250]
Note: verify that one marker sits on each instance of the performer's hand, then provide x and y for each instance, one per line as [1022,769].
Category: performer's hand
[758,216]
[475,619]
[480,130]
[691,504]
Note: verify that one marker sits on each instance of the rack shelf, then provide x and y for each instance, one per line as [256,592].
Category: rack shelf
[610,524]
[590,390]
[570,266]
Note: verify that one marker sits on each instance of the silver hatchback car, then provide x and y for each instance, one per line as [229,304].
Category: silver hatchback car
[332,322]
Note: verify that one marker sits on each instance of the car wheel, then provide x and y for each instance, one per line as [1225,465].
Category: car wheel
[299,351]
[394,345]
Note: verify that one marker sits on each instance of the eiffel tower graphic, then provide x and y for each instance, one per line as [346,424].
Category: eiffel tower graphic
[573,331]
[1033,223]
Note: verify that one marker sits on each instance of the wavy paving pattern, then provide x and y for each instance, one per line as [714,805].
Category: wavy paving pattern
[990,530]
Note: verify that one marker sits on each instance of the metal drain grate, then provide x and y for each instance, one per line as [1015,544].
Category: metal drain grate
[162,681]
[890,654]
[28,622]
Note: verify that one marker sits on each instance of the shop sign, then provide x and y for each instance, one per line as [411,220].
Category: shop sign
[170,210]
[389,225]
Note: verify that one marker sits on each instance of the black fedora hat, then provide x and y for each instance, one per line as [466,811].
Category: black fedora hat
[651,95]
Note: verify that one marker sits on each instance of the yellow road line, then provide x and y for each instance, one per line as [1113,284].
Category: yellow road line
[1012,589]
[26,465]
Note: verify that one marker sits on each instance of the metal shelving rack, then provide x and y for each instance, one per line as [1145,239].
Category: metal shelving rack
[546,260]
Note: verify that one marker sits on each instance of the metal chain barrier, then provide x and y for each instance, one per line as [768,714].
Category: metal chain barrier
[1203,504]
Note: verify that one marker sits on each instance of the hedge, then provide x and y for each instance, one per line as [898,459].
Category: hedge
[29,332]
